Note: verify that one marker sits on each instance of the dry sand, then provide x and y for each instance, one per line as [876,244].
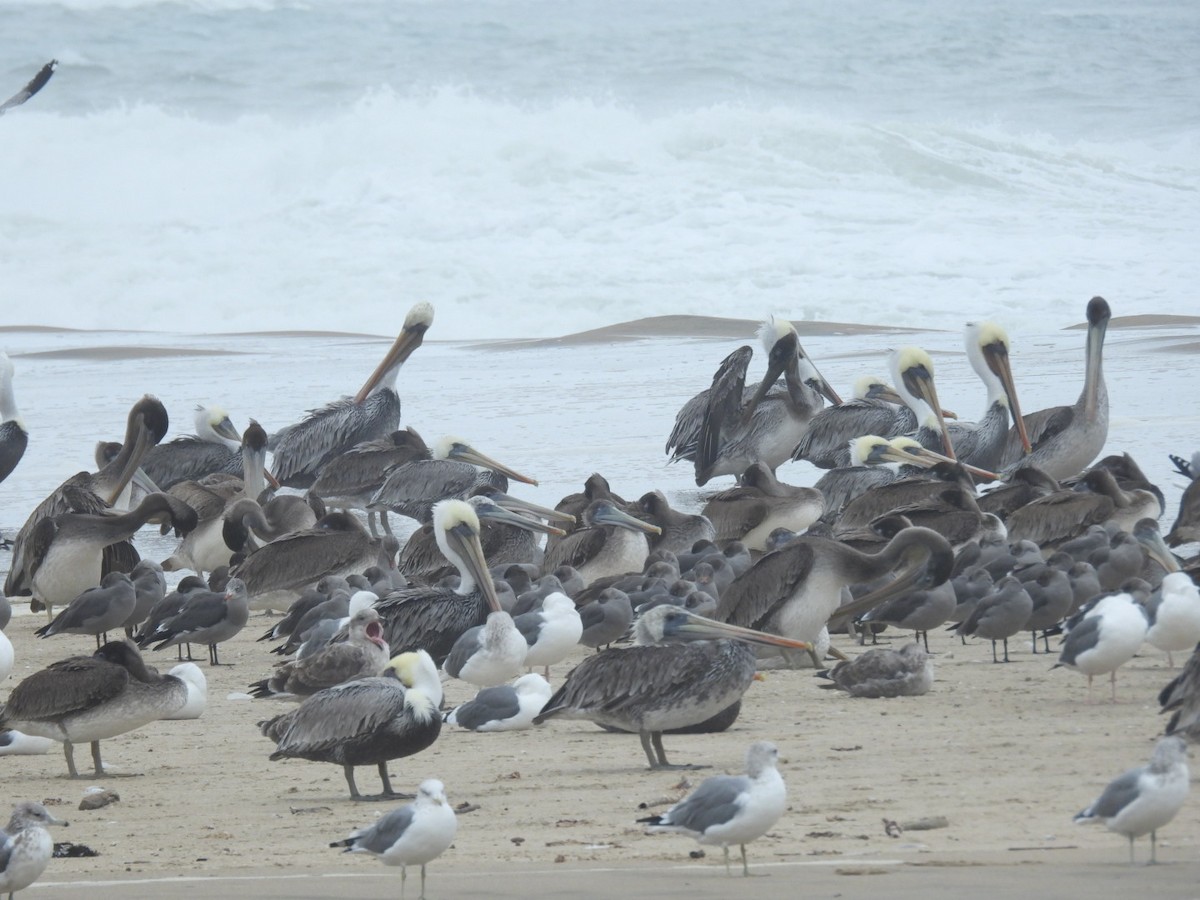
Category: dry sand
[1005,753]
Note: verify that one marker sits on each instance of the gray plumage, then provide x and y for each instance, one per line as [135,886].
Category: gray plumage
[882,672]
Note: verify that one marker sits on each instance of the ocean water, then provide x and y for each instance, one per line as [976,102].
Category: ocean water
[535,168]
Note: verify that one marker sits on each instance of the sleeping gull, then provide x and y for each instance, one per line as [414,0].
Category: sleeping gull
[1146,798]
[882,672]
[508,707]
[412,835]
[25,847]
[730,809]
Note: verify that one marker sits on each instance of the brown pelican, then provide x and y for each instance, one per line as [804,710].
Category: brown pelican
[1181,698]
[943,498]
[678,530]
[97,610]
[729,426]
[1146,798]
[412,835]
[1065,514]
[881,672]
[1186,529]
[874,461]
[90,698]
[13,436]
[507,536]
[683,670]
[875,409]
[65,553]
[277,572]
[1067,438]
[982,443]
[247,524]
[912,371]
[363,654]
[215,447]
[432,618]
[610,543]
[730,809]
[350,481]
[796,589]
[25,847]
[456,469]
[301,450]
[204,548]
[760,504]
[205,618]
[505,707]
[92,493]
[365,722]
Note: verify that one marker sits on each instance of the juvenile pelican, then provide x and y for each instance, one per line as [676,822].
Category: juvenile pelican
[301,450]
[729,426]
[1067,438]
[760,504]
[350,480]
[90,493]
[795,590]
[730,809]
[611,542]
[365,722]
[90,698]
[684,670]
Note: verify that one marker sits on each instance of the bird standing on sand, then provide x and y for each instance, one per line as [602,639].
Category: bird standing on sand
[730,809]
[1144,799]
[25,847]
[412,835]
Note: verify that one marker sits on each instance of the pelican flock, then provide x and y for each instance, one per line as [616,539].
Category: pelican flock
[820,528]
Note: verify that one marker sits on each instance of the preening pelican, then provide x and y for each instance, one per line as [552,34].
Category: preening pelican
[684,670]
[92,493]
[729,426]
[215,447]
[1067,438]
[301,450]
[350,481]
[365,722]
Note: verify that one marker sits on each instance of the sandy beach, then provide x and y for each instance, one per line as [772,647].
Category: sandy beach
[1006,754]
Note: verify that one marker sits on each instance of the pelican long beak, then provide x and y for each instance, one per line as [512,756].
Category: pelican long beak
[916,455]
[464,541]
[1147,534]
[916,574]
[918,381]
[144,482]
[420,317]
[498,513]
[995,355]
[708,629]
[470,455]
[516,504]
[132,461]
[610,515]
[226,430]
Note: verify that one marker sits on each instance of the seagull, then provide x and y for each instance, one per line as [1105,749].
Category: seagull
[883,672]
[412,835]
[25,847]
[489,654]
[1105,637]
[507,707]
[730,809]
[551,632]
[1146,798]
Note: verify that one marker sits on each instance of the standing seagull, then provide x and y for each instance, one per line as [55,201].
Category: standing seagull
[301,450]
[412,835]
[13,436]
[730,809]
[1144,799]
[25,847]
[1067,438]
[205,618]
